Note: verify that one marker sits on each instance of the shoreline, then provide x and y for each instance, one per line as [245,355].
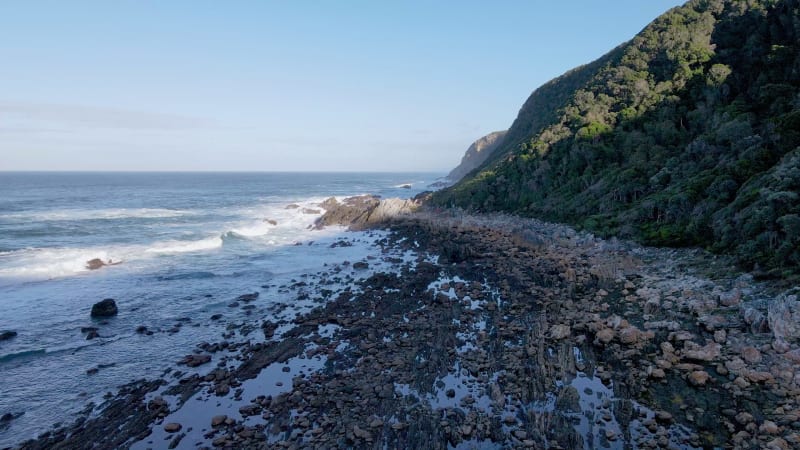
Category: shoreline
[498,330]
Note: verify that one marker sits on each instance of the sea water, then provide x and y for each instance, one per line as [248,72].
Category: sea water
[182,247]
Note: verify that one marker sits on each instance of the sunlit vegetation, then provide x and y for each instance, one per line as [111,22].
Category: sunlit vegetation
[686,135]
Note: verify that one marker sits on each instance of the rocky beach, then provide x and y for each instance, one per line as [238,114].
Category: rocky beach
[478,331]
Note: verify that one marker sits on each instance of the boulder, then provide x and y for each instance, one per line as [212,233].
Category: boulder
[94,264]
[105,308]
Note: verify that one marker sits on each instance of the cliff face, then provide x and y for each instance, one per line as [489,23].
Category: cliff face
[686,135]
[476,154]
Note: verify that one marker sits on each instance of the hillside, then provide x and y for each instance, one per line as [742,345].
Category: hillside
[476,154]
[687,135]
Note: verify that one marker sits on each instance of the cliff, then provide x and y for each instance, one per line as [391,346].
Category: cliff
[476,154]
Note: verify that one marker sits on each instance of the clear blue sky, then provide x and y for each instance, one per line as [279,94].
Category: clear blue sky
[290,85]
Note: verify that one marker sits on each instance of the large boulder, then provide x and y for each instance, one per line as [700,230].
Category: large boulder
[363,211]
[783,315]
[105,308]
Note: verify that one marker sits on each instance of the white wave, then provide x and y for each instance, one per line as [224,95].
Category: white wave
[92,214]
[186,246]
[253,231]
[50,262]
[403,185]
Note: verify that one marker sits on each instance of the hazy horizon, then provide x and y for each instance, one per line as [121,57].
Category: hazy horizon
[277,87]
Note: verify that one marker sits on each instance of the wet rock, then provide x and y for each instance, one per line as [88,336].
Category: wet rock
[247,297]
[94,264]
[141,329]
[105,308]
[172,427]
[92,335]
[271,221]
[7,417]
[218,420]
[292,206]
[195,360]
[360,265]
[7,334]
[311,211]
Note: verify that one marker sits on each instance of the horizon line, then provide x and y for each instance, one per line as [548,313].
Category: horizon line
[226,171]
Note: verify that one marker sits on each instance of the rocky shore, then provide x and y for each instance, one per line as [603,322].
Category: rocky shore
[481,332]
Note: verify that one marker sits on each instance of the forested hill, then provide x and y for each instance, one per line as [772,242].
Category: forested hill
[688,134]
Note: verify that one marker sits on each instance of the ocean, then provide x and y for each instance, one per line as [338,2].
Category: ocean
[183,246]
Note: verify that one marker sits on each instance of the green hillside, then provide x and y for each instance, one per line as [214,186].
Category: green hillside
[686,135]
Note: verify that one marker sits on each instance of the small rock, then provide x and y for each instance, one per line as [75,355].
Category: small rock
[6,335]
[605,335]
[360,265]
[769,427]
[629,335]
[361,434]
[172,427]
[698,378]
[751,355]
[195,360]
[559,331]
[663,416]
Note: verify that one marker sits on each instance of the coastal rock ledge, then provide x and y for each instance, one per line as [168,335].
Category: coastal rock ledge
[363,211]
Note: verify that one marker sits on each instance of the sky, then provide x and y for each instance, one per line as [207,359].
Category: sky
[137,85]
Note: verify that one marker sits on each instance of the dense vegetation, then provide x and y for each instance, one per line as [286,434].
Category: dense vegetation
[688,134]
